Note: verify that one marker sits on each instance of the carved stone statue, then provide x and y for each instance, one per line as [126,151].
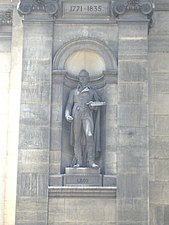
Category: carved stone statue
[83,112]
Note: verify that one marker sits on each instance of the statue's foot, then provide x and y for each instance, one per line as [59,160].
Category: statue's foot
[94,165]
[76,165]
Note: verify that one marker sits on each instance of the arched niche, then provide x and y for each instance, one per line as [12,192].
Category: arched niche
[90,54]
[86,59]
[97,58]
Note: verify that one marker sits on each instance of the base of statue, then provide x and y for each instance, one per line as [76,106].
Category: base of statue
[82,176]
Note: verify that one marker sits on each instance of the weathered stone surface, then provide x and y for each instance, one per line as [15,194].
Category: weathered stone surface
[27,203]
[55,161]
[109,181]
[133,137]
[32,184]
[56,180]
[133,30]
[161,18]
[156,67]
[34,137]
[134,70]
[159,193]
[132,147]
[111,137]
[133,115]
[131,186]
[166,214]
[160,82]
[135,92]
[132,45]
[161,125]
[110,162]
[35,92]
[159,147]
[133,210]
[33,161]
[161,169]
[156,214]
[24,217]
[81,211]
[33,114]
[162,100]
[56,138]
[132,160]
[40,73]
[158,43]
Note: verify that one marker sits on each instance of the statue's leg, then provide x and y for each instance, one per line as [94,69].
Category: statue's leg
[87,126]
[77,140]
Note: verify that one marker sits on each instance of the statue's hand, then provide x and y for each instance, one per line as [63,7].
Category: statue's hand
[69,118]
[91,106]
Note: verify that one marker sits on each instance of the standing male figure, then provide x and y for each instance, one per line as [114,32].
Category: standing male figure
[80,109]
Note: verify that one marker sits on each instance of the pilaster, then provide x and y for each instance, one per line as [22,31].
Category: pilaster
[134,20]
[35,113]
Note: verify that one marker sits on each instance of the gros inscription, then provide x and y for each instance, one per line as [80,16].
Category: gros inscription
[82,180]
[96,9]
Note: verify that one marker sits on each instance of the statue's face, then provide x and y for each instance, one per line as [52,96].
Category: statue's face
[83,77]
[84,80]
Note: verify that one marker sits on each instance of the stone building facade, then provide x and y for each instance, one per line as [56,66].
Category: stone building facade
[125,47]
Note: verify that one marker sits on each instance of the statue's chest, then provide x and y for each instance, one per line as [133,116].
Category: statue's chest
[84,96]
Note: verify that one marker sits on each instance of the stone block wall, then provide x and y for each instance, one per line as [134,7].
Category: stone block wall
[159,115]
[158,107]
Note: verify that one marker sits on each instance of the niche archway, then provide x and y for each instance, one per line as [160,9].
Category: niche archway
[91,54]
[85,59]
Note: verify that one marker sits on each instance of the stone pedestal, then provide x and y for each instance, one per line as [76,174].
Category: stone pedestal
[82,177]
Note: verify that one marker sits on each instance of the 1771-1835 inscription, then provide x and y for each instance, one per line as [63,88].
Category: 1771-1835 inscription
[74,9]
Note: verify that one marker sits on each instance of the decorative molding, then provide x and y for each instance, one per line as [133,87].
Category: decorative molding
[25,7]
[82,191]
[6,17]
[146,7]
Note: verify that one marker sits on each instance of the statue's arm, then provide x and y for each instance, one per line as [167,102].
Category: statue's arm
[96,96]
[95,99]
[69,106]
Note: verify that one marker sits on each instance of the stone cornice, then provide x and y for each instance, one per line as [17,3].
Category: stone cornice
[25,7]
[5,17]
[146,7]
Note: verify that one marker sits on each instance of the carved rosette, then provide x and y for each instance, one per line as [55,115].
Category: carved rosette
[6,17]
[25,7]
[146,7]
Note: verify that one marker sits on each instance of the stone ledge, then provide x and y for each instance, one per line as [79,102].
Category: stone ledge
[82,191]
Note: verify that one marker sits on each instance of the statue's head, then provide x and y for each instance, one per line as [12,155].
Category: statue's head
[83,77]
